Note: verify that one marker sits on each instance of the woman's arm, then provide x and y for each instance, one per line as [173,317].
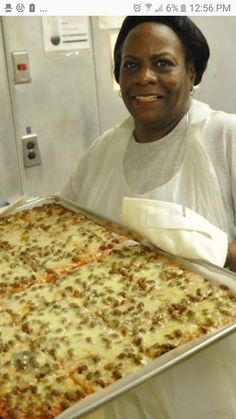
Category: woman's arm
[231,257]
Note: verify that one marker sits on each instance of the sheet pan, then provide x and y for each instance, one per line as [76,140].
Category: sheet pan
[93,402]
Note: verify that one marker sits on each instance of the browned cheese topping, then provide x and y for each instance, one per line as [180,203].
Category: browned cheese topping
[81,308]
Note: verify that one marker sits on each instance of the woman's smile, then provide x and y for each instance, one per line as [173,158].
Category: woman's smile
[147,99]
[155,79]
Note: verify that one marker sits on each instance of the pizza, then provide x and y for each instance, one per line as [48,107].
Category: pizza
[49,240]
[83,305]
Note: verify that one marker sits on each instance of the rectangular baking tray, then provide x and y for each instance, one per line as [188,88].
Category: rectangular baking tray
[215,274]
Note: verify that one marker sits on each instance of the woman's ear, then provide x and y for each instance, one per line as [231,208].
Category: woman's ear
[192,73]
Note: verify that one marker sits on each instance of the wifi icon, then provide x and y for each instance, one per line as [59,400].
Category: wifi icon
[148,6]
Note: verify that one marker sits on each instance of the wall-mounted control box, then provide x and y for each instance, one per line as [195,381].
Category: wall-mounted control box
[21,71]
[31,154]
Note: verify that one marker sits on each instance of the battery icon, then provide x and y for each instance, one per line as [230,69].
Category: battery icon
[32,7]
[183,8]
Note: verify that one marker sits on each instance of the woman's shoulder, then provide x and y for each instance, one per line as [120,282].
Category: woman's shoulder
[220,131]
[204,112]
[217,123]
[223,122]
[222,117]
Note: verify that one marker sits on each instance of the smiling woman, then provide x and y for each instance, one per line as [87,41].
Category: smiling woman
[156,153]
[158,60]
[155,80]
[176,149]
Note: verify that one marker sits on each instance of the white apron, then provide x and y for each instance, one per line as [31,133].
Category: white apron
[203,387]
[195,184]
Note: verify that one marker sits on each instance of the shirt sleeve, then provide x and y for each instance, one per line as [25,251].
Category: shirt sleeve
[83,177]
[220,141]
[230,147]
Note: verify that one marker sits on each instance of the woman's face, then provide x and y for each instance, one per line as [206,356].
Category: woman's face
[155,79]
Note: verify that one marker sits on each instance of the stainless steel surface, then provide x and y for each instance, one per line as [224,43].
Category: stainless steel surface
[111,107]
[30,149]
[155,367]
[21,70]
[60,104]
[10,183]
[8,208]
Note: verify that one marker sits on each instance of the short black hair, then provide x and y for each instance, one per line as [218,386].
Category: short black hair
[194,42]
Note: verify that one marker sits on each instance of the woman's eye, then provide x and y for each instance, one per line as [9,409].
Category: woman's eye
[130,65]
[164,63]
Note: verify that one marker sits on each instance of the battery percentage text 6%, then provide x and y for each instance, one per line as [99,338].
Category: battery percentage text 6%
[172,8]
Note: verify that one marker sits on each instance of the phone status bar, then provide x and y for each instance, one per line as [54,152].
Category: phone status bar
[118,8]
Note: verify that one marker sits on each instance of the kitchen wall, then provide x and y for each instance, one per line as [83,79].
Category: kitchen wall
[71,99]
[60,104]
[10,183]
[218,84]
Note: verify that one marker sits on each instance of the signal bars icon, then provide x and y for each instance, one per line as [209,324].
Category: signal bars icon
[159,9]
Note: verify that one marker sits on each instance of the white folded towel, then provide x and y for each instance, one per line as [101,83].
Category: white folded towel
[176,229]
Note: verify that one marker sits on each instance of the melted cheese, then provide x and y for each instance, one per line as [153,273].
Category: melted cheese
[80,311]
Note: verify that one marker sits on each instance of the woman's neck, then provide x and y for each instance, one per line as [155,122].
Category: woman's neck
[149,134]
[154,132]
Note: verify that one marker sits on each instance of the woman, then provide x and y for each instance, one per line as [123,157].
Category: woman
[175,149]
[172,148]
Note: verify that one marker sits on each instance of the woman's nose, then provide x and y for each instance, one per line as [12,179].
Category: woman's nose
[146,75]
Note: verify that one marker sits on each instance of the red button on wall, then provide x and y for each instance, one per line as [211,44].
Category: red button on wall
[21,67]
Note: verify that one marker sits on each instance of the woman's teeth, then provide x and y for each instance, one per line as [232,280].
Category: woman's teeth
[151,98]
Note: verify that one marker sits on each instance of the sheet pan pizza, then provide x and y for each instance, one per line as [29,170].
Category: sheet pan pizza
[81,308]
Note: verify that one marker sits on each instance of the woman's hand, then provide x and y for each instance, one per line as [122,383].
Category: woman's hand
[231,257]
